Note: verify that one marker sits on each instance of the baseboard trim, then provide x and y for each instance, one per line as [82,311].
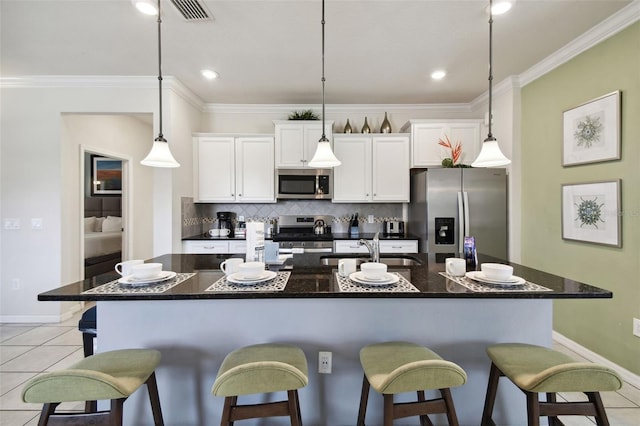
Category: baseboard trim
[627,376]
[43,319]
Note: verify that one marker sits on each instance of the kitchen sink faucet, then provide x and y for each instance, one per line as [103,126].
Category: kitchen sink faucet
[373,246]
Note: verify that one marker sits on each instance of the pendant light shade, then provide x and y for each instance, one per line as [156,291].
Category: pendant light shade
[160,155]
[490,154]
[324,156]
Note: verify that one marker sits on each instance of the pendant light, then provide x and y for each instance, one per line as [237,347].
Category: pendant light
[324,156]
[490,154]
[160,154]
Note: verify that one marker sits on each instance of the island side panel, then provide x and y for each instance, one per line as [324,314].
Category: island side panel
[195,335]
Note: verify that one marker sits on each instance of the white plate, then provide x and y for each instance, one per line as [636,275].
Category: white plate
[479,276]
[387,279]
[237,278]
[133,282]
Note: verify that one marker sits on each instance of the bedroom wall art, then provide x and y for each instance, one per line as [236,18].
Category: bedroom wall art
[592,131]
[106,174]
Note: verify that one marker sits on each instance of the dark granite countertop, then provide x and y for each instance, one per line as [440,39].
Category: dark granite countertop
[310,279]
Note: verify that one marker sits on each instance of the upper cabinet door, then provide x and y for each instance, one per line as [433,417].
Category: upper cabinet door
[352,179]
[214,178]
[289,145]
[391,168]
[296,142]
[255,173]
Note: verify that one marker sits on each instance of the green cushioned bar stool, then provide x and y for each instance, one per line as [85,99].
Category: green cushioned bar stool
[263,368]
[397,367]
[113,375]
[536,369]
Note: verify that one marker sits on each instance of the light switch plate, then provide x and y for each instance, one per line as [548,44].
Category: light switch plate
[12,223]
[636,327]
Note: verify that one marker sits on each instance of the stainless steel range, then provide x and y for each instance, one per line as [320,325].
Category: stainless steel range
[305,233]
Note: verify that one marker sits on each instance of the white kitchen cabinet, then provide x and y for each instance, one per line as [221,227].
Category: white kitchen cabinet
[399,246]
[386,246]
[425,150]
[230,168]
[296,141]
[375,168]
[214,247]
[205,247]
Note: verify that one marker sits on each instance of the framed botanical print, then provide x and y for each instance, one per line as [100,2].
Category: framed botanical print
[591,212]
[591,131]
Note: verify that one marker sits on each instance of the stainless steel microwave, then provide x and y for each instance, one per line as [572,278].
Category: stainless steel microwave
[299,184]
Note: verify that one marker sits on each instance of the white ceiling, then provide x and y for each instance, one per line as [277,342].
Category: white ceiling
[377,52]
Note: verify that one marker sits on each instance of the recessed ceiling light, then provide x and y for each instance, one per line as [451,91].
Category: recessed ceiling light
[438,74]
[501,7]
[148,7]
[209,75]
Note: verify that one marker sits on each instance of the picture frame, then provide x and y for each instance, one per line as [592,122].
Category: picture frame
[591,131]
[591,212]
[106,176]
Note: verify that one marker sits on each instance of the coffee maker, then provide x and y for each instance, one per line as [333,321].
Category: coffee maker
[225,223]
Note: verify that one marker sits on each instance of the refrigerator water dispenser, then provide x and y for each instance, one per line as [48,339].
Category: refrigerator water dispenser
[445,230]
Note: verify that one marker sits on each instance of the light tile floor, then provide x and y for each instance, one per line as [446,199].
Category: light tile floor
[29,349]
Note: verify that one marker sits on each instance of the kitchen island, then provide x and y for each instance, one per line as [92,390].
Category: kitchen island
[195,328]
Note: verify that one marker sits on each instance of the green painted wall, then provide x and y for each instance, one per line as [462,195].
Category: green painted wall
[602,325]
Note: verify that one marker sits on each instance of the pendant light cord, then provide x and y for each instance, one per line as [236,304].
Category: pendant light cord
[323,138]
[160,136]
[490,135]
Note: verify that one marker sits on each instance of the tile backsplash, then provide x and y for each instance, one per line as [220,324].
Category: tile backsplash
[198,217]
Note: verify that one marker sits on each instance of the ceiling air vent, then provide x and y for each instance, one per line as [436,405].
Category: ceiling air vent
[192,10]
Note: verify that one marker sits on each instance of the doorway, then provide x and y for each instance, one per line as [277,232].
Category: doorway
[105,190]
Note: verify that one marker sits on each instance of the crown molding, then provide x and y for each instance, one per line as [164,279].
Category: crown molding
[102,81]
[335,108]
[602,31]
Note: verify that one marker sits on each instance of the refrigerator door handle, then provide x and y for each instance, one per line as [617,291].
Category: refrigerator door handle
[467,226]
[461,223]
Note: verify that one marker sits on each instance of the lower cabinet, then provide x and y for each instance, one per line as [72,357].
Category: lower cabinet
[386,246]
[214,247]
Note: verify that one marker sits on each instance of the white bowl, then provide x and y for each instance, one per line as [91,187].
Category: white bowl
[373,270]
[497,271]
[145,271]
[251,269]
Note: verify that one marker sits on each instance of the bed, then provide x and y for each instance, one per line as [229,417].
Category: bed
[102,235]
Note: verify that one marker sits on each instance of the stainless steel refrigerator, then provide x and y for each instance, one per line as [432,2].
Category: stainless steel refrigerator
[451,203]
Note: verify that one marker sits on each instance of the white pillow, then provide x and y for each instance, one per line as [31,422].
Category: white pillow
[89,224]
[112,223]
[98,226]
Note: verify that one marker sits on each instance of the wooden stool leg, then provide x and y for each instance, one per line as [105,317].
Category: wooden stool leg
[533,409]
[388,409]
[293,407]
[364,397]
[553,420]
[490,398]
[424,419]
[601,416]
[117,410]
[152,387]
[451,409]
[225,420]
[47,411]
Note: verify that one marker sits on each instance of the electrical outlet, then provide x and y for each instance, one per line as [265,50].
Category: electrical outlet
[636,327]
[15,284]
[324,362]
